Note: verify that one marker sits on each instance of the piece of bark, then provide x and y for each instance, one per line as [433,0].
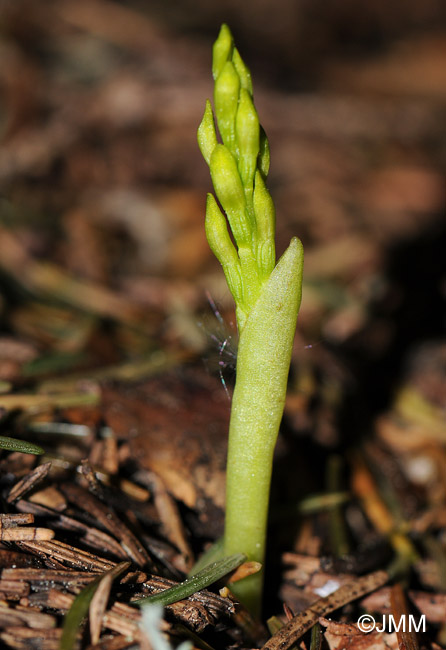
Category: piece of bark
[347,636]
[134,491]
[217,605]
[305,580]
[120,618]
[90,535]
[13,590]
[69,555]
[13,558]
[19,519]
[432,605]
[27,615]
[25,637]
[59,600]
[50,497]
[48,576]
[177,426]
[104,454]
[171,522]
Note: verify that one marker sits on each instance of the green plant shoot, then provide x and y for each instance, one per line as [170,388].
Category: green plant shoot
[267,298]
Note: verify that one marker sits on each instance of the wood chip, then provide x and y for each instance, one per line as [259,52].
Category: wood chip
[59,600]
[134,577]
[50,497]
[110,521]
[20,534]
[28,482]
[134,491]
[302,622]
[99,602]
[104,454]
[171,522]
[193,615]
[91,535]
[13,558]
[98,606]
[13,590]
[30,617]
[16,520]
[49,576]
[244,570]
[197,401]
[123,619]
[24,638]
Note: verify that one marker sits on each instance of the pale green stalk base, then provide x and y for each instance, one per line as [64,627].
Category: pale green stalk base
[263,363]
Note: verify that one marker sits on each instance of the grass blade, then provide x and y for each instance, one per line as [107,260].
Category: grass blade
[13,444]
[79,608]
[199,581]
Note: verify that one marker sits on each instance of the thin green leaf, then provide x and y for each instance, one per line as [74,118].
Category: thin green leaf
[199,581]
[274,624]
[318,502]
[12,444]
[39,401]
[79,608]
[213,553]
[316,637]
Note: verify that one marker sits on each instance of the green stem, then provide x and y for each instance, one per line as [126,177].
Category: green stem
[263,363]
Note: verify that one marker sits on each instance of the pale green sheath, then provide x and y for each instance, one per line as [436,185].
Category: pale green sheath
[267,298]
[263,362]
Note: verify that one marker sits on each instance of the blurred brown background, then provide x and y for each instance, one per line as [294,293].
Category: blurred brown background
[101,174]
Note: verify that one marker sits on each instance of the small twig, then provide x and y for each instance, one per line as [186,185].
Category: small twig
[98,605]
[28,482]
[302,622]
[407,639]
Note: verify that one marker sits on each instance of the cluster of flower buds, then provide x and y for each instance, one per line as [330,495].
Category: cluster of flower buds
[239,166]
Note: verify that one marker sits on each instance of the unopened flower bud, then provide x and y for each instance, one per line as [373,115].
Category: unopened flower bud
[229,189]
[242,71]
[226,94]
[221,245]
[206,135]
[247,136]
[222,50]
